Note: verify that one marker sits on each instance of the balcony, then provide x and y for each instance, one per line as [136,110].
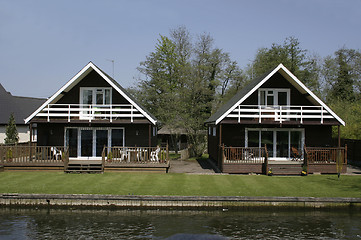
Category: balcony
[280,113]
[89,112]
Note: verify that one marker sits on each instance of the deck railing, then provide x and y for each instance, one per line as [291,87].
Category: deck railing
[244,155]
[280,113]
[326,155]
[89,112]
[32,154]
[135,155]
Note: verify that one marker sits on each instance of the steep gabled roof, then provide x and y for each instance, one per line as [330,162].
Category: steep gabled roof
[81,75]
[253,86]
[21,107]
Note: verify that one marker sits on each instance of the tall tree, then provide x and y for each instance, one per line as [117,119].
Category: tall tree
[158,91]
[11,133]
[184,80]
[342,75]
[290,54]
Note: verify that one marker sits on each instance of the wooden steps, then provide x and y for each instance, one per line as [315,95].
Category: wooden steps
[91,166]
[285,168]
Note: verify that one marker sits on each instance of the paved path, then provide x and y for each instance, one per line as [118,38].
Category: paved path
[353,170]
[191,166]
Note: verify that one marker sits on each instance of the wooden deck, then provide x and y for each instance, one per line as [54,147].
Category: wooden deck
[245,160]
[39,158]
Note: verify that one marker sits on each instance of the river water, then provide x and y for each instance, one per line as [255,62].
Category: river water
[20,223]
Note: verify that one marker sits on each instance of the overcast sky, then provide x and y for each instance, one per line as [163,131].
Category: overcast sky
[44,43]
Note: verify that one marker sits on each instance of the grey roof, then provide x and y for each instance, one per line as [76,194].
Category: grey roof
[21,107]
[224,108]
[168,130]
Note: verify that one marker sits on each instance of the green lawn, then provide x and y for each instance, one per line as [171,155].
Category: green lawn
[179,184]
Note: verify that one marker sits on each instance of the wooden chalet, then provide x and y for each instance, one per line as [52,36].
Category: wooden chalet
[275,124]
[91,123]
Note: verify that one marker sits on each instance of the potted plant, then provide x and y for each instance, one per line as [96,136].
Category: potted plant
[109,156]
[304,171]
[9,155]
[270,173]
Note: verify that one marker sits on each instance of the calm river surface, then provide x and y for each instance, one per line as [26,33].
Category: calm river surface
[18,223]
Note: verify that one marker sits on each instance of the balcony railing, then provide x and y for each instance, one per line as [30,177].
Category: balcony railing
[90,112]
[280,113]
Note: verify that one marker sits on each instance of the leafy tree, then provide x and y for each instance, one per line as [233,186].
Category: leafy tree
[12,135]
[290,54]
[342,75]
[185,81]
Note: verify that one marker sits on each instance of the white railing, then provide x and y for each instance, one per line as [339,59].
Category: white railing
[90,112]
[280,113]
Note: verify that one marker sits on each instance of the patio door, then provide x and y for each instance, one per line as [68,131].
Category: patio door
[88,143]
[278,141]
[101,141]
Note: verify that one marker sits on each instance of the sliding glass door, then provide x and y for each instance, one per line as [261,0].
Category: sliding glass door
[88,143]
[278,141]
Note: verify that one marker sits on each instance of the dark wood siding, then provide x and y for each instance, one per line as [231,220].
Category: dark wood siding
[318,136]
[213,143]
[93,79]
[278,81]
[315,136]
[52,134]
[233,135]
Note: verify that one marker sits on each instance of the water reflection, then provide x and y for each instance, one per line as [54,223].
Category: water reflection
[17,223]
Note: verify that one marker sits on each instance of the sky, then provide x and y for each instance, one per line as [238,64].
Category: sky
[44,43]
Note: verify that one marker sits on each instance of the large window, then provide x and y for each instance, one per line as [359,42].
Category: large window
[278,141]
[95,96]
[273,97]
[92,100]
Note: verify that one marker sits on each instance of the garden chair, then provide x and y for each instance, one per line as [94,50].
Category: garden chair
[296,155]
[154,155]
[123,152]
[57,154]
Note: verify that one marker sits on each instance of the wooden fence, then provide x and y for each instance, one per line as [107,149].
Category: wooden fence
[353,150]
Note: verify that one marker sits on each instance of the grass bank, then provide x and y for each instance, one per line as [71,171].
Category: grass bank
[179,184]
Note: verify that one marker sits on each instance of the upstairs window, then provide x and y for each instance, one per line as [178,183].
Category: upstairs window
[95,96]
[274,97]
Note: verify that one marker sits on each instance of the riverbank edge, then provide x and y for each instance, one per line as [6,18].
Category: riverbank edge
[174,202]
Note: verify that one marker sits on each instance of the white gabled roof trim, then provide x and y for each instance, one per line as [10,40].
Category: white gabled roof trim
[294,78]
[79,74]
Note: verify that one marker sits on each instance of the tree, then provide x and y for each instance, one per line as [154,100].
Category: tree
[291,55]
[342,75]
[185,81]
[12,135]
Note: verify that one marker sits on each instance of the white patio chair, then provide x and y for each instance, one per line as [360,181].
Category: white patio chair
[57,154]
[123,154]
[154,155]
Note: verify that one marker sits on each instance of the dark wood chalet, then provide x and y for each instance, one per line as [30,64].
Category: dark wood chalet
[275,124]
[93,120]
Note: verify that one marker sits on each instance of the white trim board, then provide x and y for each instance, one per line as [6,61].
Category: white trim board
[289,77]
[76,79]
